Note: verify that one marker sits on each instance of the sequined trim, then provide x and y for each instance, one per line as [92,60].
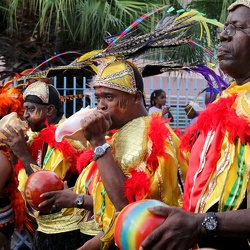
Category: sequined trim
[220,168]
[207,144]
[116,86]
[160,183]
[180,179]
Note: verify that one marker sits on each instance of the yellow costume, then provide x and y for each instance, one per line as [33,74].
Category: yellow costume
[223,150]
[59,160]
[145,149]
[49,155]
[150,161]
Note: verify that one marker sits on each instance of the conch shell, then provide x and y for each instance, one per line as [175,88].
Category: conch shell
[71,128]
[12,120]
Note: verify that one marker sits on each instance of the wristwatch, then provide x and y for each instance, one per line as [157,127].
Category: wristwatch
[80,201]
[210,223]
[100,151]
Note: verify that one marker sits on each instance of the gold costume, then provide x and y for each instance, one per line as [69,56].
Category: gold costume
[58,161]
[135,150]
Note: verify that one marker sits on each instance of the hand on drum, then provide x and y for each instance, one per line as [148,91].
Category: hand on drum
[179,231]
[59,199]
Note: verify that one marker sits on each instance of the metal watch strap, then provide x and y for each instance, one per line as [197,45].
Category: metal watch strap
[100,151]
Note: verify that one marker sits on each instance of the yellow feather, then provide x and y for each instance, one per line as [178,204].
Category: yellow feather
[208,33]
[95,69]
[201,32]
[203,19]
[88,55]
[185,14]
[198,17]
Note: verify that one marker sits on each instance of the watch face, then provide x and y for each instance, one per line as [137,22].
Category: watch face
[211,224]
[79,201]
[99,150]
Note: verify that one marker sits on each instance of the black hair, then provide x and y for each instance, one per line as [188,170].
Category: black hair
[54,98]
[154,95]
[139,83]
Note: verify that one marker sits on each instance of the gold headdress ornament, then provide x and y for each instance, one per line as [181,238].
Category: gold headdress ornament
[116,74]
[237,3]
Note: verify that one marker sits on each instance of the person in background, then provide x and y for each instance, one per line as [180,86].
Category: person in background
[42,111]
[136,162]
[158,104]
[192,110]
[11,202]
[216,205]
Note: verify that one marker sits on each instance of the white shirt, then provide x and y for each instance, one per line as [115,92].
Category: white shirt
[157,110]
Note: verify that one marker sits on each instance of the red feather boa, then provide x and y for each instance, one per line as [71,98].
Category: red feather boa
[218,113]
[84,159]
[47,135]
[138,185]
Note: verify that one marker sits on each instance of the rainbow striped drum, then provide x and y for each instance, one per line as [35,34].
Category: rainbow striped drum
[134,223]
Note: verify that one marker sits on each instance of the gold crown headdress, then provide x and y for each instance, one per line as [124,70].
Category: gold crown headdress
[116,74]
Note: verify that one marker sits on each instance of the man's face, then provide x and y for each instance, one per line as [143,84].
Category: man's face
[234,51]
[117,103]
[35,115]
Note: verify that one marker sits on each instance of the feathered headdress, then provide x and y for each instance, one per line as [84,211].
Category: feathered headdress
[170,31]
[130,44]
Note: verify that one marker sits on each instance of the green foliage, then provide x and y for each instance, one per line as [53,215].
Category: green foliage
[81,24]
[37,29]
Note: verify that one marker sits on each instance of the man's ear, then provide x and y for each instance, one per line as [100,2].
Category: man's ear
[50,109]
[138,96]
